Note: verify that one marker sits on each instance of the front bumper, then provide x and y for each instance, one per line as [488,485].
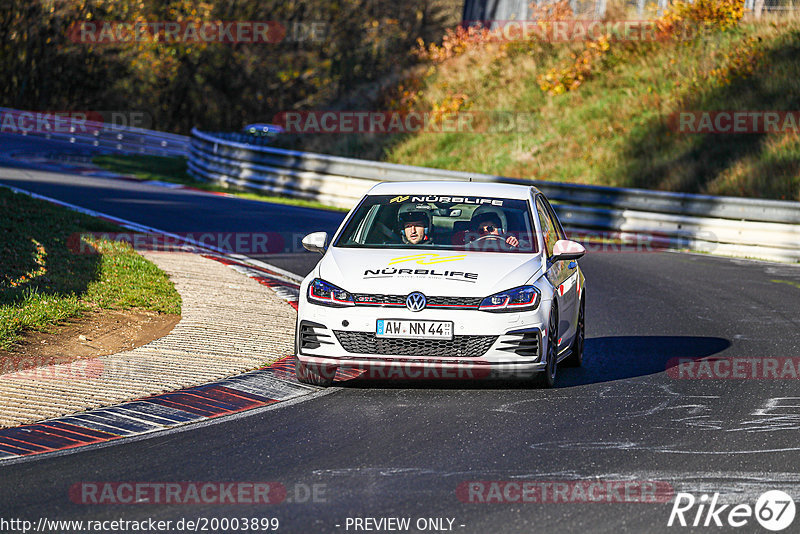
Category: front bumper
[484,345]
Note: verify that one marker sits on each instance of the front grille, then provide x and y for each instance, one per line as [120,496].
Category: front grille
[459,346]
[378,300]
[454,301]
[433,302]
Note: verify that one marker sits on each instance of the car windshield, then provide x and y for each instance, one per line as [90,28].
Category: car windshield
[439,222]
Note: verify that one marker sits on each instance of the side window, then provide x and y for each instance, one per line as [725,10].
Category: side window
[381,224]
[549,231]
[360,235]
[555,222]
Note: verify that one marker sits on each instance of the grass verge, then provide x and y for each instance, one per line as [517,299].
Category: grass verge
[173,170]
[616,127]
[44,278]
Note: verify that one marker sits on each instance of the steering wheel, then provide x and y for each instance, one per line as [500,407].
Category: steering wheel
[489,236]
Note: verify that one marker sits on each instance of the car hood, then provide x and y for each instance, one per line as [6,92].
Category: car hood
[398,272]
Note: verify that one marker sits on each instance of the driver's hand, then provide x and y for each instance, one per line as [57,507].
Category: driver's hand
[512,241]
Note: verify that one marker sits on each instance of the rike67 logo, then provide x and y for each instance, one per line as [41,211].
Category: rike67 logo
[774,510]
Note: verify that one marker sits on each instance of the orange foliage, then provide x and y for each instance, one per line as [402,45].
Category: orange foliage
[722,14]
[673,24]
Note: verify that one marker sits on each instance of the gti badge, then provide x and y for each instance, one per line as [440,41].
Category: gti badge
[416,301]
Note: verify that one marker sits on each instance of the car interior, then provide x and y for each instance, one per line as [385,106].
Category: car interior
[450,226]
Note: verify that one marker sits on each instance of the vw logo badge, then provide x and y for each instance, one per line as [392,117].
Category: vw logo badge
[416,301]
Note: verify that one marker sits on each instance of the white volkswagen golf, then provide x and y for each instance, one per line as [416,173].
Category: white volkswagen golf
[443,280]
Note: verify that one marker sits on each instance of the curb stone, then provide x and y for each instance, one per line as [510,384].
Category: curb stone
[230,324]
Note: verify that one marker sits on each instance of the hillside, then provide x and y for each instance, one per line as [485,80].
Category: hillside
[604,112]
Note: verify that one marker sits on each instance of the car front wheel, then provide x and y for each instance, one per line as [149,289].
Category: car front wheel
[547,378]
[575,359]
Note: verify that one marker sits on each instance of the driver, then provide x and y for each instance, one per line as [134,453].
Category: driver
[414,226]
[488,223]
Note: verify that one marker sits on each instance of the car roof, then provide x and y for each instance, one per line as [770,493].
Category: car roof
[454,188]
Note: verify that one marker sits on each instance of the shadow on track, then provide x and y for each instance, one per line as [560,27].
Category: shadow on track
[605,359]
[620,357]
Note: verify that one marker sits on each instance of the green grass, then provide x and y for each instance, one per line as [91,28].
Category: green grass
[46,275]
[614,128]
[174,170]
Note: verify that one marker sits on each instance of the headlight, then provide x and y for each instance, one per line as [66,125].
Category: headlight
[322,292]
[523,298]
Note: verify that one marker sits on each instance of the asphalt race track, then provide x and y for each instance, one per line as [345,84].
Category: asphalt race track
[406,450]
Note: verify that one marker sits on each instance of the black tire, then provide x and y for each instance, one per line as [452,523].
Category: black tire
[321,376]
[547,378]
[575,359]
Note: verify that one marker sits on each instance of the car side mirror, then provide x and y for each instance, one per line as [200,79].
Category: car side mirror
[316,242]
[564,249]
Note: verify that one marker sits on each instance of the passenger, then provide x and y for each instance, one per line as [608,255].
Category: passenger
[487,224]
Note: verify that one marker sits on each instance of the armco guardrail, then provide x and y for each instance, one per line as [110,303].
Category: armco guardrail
[91,134]
[732,226]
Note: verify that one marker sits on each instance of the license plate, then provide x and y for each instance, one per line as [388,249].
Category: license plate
[402,328]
